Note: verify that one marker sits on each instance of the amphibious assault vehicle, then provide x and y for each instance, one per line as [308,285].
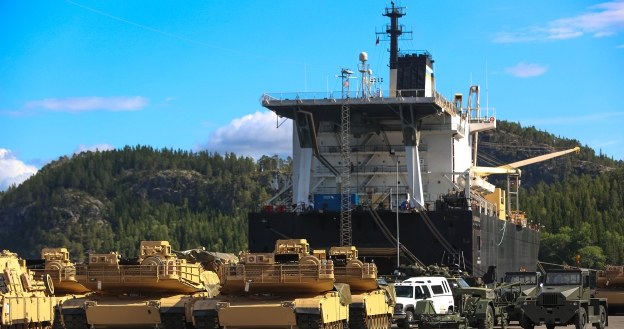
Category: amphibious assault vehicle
[156,289]
[26,301]
[282,289]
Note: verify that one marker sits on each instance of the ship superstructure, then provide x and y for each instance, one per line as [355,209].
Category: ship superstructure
[394,172]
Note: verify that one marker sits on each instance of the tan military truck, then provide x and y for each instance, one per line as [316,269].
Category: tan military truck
[26,301]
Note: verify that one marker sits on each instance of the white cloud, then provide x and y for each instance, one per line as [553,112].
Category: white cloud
[526,70]
[620,46]
[93,148]
[12,170]
[253,135]
[83,104]
[601,20]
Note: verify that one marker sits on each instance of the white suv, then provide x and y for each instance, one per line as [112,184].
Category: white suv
[408,292]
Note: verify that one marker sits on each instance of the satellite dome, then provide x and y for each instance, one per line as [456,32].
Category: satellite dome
[363,56]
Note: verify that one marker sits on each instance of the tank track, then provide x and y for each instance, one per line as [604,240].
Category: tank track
[313,321]
[76,321]
[359,320]
[57,323]
[173,321]
[206,322]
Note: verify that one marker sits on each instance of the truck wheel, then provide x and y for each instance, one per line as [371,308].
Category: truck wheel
[409,318]
[488,322]
[603,318]
[579,321]
[526,323]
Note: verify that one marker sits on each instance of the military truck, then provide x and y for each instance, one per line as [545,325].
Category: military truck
[285,288]
[156,289]
[516,288]
[565,299]
[475,307]
[26,301]
[372,299]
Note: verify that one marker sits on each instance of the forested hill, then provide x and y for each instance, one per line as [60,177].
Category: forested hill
[104,201]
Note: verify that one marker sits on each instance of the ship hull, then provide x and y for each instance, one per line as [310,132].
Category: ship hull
[479,239]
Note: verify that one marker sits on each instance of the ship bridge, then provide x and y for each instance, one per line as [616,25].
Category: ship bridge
[326,106]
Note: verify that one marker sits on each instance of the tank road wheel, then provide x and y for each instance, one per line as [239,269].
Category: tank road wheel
[526,323]
[550,326]
[580,320]
[603,318]
[357,318]
[488,322]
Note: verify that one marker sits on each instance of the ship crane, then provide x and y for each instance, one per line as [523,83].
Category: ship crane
[513,175]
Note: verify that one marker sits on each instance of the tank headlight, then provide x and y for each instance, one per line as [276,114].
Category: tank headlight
[289,304]
[221,305]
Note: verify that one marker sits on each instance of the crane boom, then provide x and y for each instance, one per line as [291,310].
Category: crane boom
[512,168]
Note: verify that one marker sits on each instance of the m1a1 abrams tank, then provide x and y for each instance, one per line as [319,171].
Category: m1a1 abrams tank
[56,264]
[610,285]
[156,290]
[25,300]
[372,301]
[283,289]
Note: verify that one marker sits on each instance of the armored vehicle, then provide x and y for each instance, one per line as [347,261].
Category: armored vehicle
[372,300]
[610,285]
[517,287]
[565,298]
[56,264]
[282,289]
[26,301]
[158,288]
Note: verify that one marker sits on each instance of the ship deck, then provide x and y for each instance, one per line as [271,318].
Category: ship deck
[327,106]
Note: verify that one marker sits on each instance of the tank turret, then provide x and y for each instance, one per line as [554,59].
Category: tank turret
[157,288]
[25,299]
[289,287]
[290,268]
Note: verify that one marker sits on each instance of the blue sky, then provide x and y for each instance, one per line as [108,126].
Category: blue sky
[86,74]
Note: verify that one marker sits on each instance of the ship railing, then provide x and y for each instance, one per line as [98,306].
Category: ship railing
[481,205]
[58,274]
[369,148]
[355,95]
[367,271]
[281,273]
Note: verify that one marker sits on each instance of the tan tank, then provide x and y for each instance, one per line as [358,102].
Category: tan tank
[26,300]
[284,289]
[372,301]
[156,290]
[610,285]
